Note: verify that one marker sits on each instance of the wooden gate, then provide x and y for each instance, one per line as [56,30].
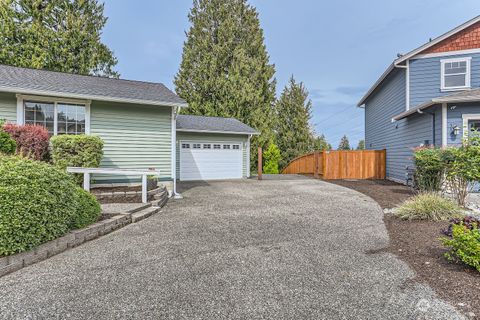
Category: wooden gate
[331,165]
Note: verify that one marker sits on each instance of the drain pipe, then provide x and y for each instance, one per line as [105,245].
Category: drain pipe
[175,112]
[433,125]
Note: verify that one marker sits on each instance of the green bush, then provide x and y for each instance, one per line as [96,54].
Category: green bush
[428,206]
[429,169]
[77,151]
[37,203]
[88,210]
[464,246]
[7,144]
[271,157]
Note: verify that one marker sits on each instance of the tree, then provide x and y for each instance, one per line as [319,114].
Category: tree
[320,144]
[293,131]
[225,69]
[361,145]
[57,35]
[271,157]
[344,143]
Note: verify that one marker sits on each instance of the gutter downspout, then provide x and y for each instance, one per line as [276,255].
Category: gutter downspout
[433,125]
[175,111]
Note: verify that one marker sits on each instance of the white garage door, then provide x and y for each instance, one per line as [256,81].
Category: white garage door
[210,160]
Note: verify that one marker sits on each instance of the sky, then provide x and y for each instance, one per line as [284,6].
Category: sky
[338,49]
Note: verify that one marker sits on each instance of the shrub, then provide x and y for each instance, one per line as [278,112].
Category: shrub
[428,206]
[37,203]
[464,245]
[32,141]
[7,144]
[462,168]
[272,157]
[88,210]
[429,168]
[77,151]
[468,222]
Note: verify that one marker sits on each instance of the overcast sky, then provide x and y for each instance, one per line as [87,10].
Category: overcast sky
[337,48]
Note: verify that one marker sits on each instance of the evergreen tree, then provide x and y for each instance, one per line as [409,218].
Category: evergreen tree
[361,145]
[57,35]
[344,143]
[271,157]
[320,144]
[293,131]
[225,69]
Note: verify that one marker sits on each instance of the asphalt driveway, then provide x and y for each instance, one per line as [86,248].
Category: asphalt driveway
[275,249]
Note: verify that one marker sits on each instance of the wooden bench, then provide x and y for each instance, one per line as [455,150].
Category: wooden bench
[112,171]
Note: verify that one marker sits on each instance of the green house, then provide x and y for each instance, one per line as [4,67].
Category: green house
[138,121]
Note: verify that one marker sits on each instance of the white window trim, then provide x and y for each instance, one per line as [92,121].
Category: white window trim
[468,76]
[466,118]
[55,100]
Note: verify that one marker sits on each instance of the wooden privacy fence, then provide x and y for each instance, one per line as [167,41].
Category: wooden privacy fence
[331,165]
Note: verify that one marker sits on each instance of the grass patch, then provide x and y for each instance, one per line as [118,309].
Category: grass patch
[428,206]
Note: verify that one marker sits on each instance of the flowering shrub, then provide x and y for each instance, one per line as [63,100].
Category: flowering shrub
[32,141]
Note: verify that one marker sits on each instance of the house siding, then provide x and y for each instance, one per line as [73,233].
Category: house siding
[8,107]
[231,138]
[135,136]
[425,77]
[398,138]
[454,118]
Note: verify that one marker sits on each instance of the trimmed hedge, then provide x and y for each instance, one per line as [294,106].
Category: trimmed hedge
[32,141]
[77,151]
[7,144]
[88,210]
[37,203]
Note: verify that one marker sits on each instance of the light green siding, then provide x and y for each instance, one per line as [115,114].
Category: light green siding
[135,136]
[215,137]
[8,107]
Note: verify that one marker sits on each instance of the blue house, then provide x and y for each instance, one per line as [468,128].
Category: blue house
[429,96]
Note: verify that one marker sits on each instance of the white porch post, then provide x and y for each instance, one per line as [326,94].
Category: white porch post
[144,188]
[86,181]
[444,125]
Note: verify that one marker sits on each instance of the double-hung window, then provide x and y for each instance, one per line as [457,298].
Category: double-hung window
[455,73]
[56,116]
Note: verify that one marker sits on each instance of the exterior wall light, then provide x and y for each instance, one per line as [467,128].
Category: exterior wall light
[455,130]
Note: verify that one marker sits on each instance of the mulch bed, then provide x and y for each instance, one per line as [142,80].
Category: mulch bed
[417,243]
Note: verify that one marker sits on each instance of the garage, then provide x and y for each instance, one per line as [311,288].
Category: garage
[210,160]
[210,148]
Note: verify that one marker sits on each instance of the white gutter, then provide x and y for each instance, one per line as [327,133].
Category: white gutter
[213,131]
[90,97]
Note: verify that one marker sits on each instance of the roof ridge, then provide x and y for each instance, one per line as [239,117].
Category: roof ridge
[84,75]
[196,115]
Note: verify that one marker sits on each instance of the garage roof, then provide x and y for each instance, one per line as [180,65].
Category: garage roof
[189,123]
[59,84]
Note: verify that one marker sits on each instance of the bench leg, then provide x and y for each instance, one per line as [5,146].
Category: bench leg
[86,181]
[144,188]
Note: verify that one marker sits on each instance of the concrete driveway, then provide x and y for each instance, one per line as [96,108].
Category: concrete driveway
[275,249]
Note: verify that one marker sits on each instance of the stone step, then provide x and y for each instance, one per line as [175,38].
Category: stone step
[140,215]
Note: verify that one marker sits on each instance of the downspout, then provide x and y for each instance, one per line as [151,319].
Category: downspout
[175,111]
[433,125]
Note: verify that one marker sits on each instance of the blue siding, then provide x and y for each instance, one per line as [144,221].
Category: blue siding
[398,138]
[454,118]
[425,77]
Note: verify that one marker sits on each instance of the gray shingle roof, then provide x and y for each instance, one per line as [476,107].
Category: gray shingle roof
[33,81]
[212,124]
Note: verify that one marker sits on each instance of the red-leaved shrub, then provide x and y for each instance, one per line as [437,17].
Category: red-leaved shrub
[32,140]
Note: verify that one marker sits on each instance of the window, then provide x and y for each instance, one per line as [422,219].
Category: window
[197,146]
[455,74]
[226,146]
[185,146]
[236,147]
[58,118]
[207,146]
[217,146]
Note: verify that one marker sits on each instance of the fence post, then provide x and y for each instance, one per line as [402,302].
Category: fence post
[315,164]
[260,163]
